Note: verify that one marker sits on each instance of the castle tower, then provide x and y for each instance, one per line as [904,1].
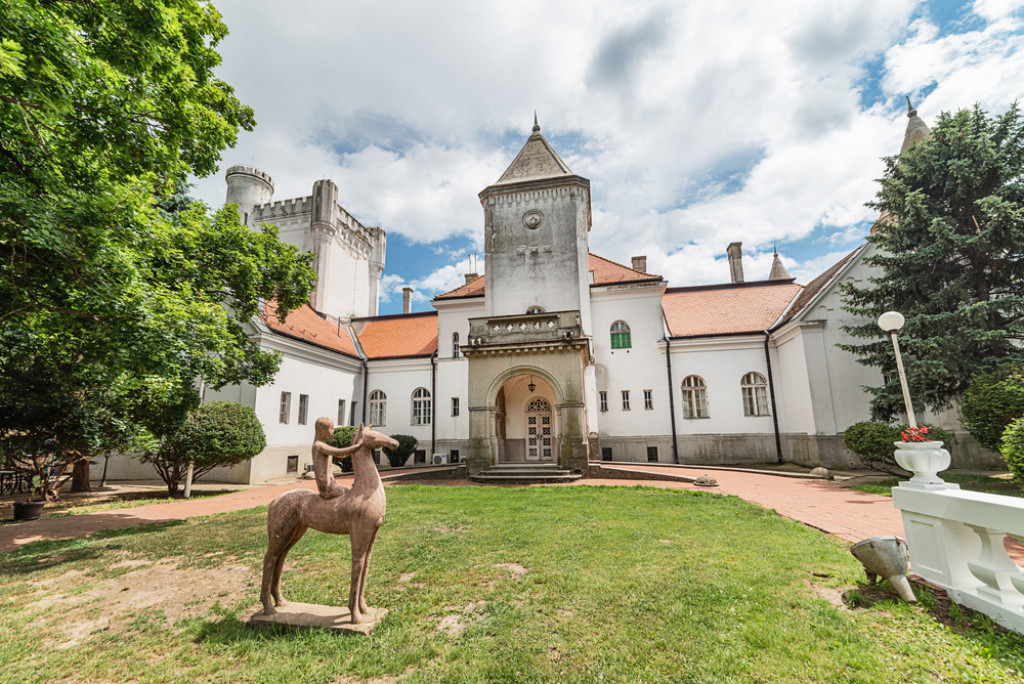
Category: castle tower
[248,187]
[322,229]
[536,224]
[917,130]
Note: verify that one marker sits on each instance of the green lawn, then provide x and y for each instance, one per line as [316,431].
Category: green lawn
[974,483]
[561,584]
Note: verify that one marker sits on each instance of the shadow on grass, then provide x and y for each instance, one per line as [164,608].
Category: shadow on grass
[47,553]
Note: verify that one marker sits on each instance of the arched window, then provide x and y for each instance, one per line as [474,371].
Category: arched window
[535,310]
[695,397]
[421,406]
[455,345]
[755,395]
[620,335]
[378,408]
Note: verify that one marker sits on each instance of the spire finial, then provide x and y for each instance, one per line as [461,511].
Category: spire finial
[911,112]
[536,126]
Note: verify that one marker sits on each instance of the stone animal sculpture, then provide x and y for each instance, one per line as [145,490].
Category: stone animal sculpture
[357,511]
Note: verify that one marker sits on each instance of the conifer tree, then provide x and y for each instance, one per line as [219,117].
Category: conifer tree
[948,253]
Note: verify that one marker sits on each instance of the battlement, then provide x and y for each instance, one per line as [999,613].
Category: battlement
[352,230]
[246,170]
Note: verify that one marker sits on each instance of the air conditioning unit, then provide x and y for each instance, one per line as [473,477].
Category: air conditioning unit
[439,459]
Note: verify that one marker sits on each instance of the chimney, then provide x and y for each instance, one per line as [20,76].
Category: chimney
[406,300]
[640,264]
[470,277]
[735,252]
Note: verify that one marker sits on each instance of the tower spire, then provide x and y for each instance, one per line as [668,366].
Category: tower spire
[536,126]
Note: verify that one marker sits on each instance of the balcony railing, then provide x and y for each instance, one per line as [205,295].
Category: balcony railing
[541,328]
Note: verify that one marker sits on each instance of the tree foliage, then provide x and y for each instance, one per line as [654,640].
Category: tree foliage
[991,403]
[949,257]
[406,446]
[1012,449]
[341,438]
[218,433]
[114,296]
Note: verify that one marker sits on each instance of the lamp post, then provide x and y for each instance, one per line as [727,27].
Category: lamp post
[890,322]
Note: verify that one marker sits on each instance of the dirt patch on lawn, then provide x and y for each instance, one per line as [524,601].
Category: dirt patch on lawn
[453,624]
[515,569]
[162,591]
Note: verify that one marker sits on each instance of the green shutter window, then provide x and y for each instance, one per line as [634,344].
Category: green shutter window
[620,335]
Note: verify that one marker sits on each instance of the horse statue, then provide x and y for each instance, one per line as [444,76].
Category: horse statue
[357,511]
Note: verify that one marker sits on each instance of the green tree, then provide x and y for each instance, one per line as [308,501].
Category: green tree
[341,438]
[406,446]
[218,433]
[106,279]
[991,402]
[949,257]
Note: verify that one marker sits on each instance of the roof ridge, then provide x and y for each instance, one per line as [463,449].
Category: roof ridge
[630,268]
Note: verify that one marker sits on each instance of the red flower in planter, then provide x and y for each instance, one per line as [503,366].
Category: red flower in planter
[915,434]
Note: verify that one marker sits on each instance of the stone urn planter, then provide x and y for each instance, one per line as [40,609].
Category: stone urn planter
[924,459]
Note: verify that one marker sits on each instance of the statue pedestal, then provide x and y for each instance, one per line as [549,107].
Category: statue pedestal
[334,618]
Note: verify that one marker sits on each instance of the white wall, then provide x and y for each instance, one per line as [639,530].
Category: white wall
[640,367]
[398,378]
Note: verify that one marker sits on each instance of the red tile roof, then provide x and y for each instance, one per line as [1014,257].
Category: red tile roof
[606,272]
[726,309]
[385,337]
[306,325]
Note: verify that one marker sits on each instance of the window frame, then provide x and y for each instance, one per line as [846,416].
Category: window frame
[625,400]
[695,397]
[602,398]
[648,400]
[422,407]
[284,412]
[455,406]
[377,403]
[754,390]
[342,419]
[456,349]
[621,335]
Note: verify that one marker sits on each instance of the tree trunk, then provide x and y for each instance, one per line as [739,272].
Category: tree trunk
[80,476]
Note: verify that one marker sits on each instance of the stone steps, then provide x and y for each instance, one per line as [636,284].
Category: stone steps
[525,473]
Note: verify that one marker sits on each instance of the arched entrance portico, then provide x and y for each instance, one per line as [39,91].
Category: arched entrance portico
[526,423]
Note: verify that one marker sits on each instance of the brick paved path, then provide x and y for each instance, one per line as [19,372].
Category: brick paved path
[846,513]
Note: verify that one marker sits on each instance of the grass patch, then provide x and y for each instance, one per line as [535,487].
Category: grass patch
[976,483]
[566,584]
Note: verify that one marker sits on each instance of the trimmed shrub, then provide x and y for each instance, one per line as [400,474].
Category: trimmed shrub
[219,433]
[1012,449]
[341,438]
[406,445]
[873,441]
[991,403]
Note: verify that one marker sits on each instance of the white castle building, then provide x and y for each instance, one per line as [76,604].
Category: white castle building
[556,354]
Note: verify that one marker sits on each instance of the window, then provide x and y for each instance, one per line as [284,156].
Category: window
[620,335]
[755,395]
[455,406]
[421,406]
[352,413]
[455,345]
[303,408]
[419,456]
[292,464]
[652,454]
[649,400]
[286,407]
[453,456]
[625,400]
[604,400]
[341,412]
[535,310]
[606,453]
[695,397]
[378,402]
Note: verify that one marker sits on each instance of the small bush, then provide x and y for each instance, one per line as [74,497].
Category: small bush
[1012,449]
[991,403]
[874,441]
[406,445]
[341,438]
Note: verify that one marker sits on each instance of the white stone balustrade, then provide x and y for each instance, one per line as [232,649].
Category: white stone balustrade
[956,541]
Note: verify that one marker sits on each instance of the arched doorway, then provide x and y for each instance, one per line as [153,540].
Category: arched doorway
[526,423]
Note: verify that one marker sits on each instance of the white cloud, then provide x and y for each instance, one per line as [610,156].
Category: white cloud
[697,123]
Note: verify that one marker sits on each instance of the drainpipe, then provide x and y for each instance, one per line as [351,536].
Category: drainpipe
[671,399]
[433,403]
[366,375]
[771,393]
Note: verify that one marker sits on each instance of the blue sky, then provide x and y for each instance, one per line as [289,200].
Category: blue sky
[698,124]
